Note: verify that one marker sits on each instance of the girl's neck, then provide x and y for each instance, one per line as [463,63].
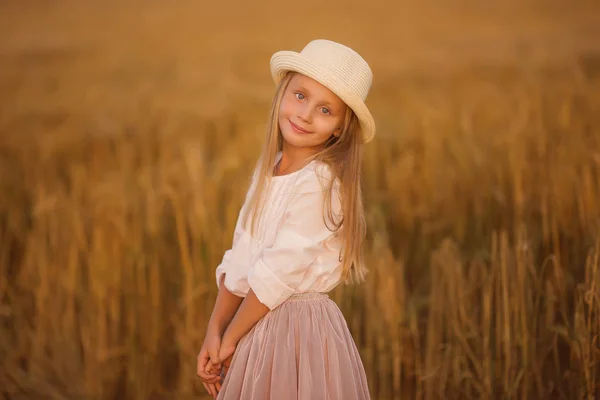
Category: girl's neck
[293,159]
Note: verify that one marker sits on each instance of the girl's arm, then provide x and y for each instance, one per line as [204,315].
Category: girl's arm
[225,308]
[249,313]
[208,358]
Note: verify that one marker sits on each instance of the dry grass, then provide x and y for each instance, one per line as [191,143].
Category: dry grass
[119,198]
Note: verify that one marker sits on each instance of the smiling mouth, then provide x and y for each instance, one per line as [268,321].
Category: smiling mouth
[297,128]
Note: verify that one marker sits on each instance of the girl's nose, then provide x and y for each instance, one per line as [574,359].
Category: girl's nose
[304,114]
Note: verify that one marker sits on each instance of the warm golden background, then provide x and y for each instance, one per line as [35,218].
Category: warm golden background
[127,133]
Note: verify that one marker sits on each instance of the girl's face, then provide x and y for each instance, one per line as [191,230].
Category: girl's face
[309,113]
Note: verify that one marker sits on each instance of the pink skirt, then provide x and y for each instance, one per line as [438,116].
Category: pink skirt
[302,350]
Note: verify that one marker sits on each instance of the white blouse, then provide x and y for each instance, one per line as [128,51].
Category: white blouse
[293,251]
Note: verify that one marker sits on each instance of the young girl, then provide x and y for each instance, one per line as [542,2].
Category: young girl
[274,333]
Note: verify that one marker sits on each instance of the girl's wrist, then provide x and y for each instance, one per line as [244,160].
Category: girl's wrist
[228,339]
[216,328]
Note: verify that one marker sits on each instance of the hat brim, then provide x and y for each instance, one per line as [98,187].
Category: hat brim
[284,61]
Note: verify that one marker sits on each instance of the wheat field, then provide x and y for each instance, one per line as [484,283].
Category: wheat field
[127,133]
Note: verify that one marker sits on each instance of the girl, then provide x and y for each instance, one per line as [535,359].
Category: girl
[274,333]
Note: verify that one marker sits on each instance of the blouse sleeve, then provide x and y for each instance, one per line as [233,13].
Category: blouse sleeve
[222,267]
[301,238]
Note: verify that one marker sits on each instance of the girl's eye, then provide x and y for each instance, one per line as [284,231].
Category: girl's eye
[299,96]
[325,110]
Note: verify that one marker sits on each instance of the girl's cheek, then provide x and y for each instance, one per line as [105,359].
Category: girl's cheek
[283,107]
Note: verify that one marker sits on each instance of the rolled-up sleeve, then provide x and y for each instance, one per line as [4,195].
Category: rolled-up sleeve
[224,265]
[299,241]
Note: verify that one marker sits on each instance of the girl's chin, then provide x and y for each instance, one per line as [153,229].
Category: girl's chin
[296,139]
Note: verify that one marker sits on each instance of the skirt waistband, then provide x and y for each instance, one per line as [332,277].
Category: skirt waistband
[308,296]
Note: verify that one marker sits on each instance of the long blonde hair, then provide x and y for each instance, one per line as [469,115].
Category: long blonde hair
[343,154]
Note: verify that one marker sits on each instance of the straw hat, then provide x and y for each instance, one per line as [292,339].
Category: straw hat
[337,67]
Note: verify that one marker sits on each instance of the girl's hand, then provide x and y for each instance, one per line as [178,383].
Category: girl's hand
[209,364]
[226,354]
[209,381]
[226,365]
[225,351]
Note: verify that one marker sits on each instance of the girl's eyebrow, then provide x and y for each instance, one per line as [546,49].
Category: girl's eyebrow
[325,102]
[302,89]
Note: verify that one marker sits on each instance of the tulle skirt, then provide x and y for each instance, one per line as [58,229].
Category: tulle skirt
[302,350]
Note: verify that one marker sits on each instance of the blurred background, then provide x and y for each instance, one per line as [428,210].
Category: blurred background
[128,130]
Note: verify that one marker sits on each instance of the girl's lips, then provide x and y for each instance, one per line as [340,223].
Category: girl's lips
[297,128]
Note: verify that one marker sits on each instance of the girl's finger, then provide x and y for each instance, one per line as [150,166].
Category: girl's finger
[207,388]
[202,361]
[213,391]
[208,377]
[205,371]
[212,371]
[212,380]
